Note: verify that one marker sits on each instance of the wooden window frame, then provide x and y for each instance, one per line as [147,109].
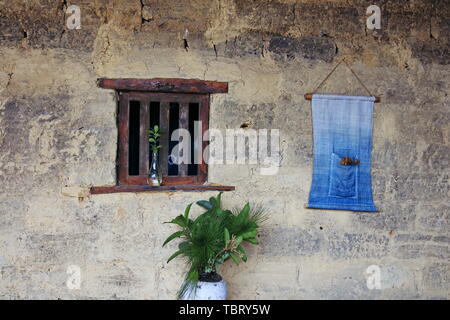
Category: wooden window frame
[167,90]
[144,98]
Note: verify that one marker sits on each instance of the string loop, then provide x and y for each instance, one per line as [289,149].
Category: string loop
[334,69]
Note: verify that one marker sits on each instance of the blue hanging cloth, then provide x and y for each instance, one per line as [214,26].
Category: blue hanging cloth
[342,136]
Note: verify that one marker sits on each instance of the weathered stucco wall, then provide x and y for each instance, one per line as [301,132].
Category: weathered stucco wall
[58,130]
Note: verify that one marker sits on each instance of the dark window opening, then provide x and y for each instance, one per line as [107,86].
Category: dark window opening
[174,120]
[193,116]
[134,125]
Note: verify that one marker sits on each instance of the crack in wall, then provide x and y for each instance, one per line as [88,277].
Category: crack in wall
[293,13]
[143,19]
[215,50]
[64,7]
[10,75]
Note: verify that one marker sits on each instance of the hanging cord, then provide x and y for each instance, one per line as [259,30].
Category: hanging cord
[334,69]
[348,66]
[326,78]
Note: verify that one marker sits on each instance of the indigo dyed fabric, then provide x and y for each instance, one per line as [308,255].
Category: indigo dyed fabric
[342,127]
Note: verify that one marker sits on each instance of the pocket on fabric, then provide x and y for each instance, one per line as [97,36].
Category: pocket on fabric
[343,179]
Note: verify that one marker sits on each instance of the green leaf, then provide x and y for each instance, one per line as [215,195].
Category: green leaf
[205,204]
[176,254]
[239,240]
[192,275]
[226,236]
[218,199]
[156,128]
[186,211]
[248,235]
[183,245]
[179,221]
[244,212]
[252,240]
[235,258]
[241,218]
[151,140]
[173,236]
[222,258]
[244,254]
[213,202]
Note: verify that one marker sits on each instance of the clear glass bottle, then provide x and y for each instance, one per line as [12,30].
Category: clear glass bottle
[154,178]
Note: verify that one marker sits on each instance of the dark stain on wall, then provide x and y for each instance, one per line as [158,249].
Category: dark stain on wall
[309,30]
[316,48]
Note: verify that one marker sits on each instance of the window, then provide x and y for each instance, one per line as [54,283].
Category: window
[138,111]
[171,104]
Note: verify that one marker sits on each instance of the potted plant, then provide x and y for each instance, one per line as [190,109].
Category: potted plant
[153,137]
[208,241]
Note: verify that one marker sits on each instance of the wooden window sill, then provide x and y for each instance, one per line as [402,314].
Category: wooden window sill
[166,188]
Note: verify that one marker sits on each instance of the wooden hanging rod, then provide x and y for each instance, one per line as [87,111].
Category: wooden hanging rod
[308,96]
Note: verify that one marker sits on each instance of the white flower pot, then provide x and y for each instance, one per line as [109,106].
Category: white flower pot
[208,291]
